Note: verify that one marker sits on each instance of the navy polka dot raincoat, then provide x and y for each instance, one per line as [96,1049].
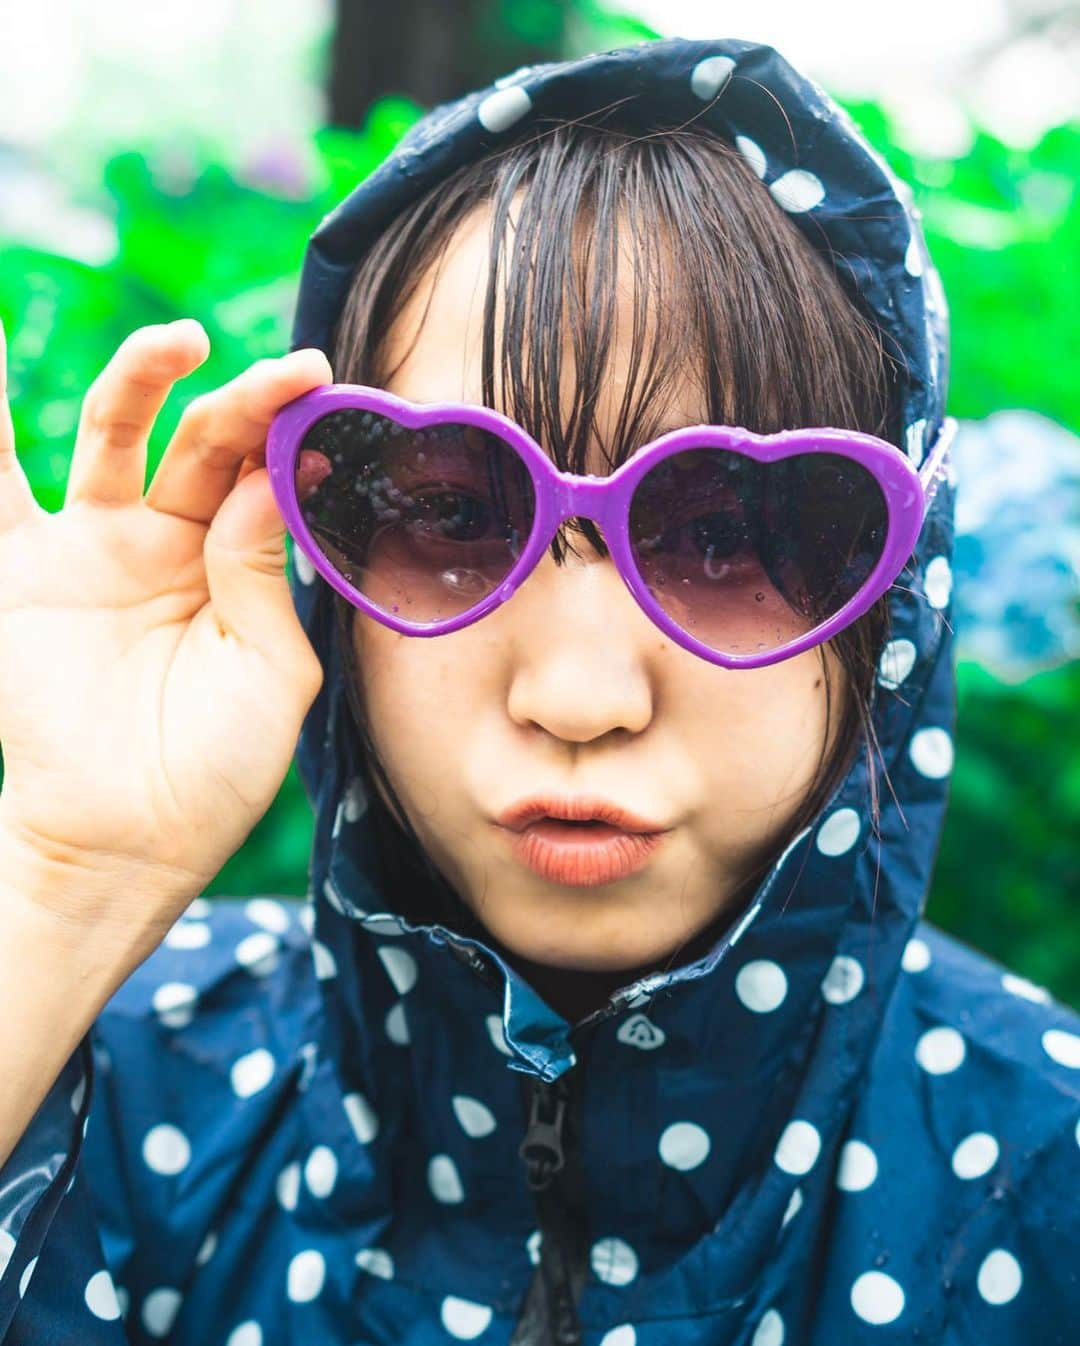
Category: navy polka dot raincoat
[300,1122]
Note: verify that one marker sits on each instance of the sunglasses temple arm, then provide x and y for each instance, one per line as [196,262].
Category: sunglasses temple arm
[934,470]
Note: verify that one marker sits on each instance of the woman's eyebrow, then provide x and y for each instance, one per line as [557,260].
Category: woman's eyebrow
[669,424]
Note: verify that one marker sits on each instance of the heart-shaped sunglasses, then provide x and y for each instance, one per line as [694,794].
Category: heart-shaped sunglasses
[745,549]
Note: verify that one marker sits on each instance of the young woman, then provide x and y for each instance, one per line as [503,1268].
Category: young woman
[621,670]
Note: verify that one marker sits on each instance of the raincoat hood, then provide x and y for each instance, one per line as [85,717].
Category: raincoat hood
[774,1026]
[838,891]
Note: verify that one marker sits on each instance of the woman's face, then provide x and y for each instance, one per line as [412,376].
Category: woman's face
[569,690]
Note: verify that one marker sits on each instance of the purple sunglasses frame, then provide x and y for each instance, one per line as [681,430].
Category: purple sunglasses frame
[606,501]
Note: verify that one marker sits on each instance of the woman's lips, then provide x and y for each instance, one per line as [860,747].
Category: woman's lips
[582,854]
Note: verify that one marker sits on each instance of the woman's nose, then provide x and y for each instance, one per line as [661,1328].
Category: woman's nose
[580,651]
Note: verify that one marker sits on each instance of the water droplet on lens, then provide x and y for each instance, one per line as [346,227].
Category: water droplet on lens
[461,580]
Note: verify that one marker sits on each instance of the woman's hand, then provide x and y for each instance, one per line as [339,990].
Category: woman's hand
[153,673]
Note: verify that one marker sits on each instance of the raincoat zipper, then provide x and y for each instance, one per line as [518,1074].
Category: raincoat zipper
[551,1154]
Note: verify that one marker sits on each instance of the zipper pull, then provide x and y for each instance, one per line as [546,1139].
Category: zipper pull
[542,1148]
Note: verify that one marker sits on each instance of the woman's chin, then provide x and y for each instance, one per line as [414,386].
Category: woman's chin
[575,947]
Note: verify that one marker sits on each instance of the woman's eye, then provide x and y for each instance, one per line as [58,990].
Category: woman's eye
[451,515]
[720,535]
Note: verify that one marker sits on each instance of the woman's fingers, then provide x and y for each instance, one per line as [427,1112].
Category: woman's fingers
[219,430]
[121,405]
[17,501]
[118,412]
[245,555]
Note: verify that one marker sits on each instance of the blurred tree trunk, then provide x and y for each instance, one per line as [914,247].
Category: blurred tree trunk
[434,50]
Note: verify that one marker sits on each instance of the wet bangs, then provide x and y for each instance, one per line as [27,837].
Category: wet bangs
[726,309]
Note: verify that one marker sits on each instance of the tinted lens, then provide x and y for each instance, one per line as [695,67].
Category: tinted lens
[425,523]
[748,556]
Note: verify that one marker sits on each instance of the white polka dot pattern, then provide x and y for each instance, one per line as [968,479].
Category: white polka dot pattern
[770,1331]
[709,76]
[464,1319]
[305,570]
[188,935]
[975,1156]
[684,1146]
[798,1147]
[259,953]
[999,1278]
[159,1310]
[916,956]
[269,914]
[839,832]
[174,1003]
[896,662]
[288,1186]
[251,1072]
[444,1181]
[914,439]
[938,582]
[166,1149]
[1062,1047]
[752,152]
[100,1296]
[1028,990]
[320,1171]
[931,752]
[324,961]
[305,1276]
[843,981]
[877,1298]
[940,1050]
[798,190]
[475,1118]
[27,1273]
[858,1167]
[761,985]
[400,968]
[397,1025]
[500,110]
[362,1117]
[245,1334]
[613,1261]
[376,1262]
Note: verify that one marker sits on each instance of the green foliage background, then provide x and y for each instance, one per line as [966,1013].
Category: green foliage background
[1004,228]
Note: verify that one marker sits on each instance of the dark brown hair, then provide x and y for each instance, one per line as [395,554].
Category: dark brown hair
[728,294]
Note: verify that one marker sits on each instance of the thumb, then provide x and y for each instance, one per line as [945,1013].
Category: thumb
[244,555]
